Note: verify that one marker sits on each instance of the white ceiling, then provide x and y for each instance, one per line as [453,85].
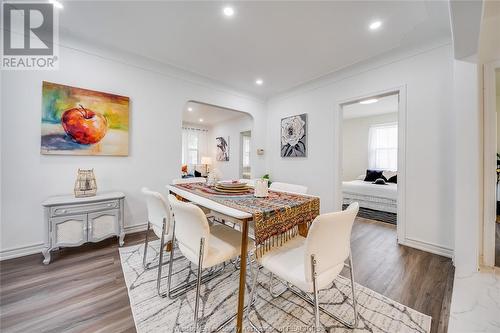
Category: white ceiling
[210,114]
[284,43]
[388,104]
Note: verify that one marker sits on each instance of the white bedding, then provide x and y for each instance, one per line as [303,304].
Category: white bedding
[360,187]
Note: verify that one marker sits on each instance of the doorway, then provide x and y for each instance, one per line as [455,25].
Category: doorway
[211,141]
[497,219]
[245,144]
[370,157]
[370,150]
[491,181]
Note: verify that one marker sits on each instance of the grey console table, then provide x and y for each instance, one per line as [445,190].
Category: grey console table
[71,221]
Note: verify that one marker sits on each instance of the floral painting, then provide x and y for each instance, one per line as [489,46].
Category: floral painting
[78,121]
[222,148]
[294,136]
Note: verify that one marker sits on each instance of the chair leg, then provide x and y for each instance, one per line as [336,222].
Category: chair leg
[315,301]
[252,291]
[198,284]
[252,296]
[146,243]
[171,264]
[147,265]
[160,261]
[354,302]
[316,295]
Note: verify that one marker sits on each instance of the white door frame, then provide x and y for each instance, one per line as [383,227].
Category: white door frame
[338,144]
[490,163]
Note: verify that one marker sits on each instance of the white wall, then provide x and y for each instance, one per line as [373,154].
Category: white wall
[467,167]
[355,143]
[232,128]
[428,78]
[157,94]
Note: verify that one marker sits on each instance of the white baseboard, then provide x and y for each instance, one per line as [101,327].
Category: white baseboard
[130,229]
[428,247]
[37,248]
[21,251]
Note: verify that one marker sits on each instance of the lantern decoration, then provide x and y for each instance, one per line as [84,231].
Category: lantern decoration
[85,184]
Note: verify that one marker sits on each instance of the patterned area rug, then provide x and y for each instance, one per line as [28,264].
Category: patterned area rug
[284,313]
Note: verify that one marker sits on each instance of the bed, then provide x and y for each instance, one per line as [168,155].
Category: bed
[378,202]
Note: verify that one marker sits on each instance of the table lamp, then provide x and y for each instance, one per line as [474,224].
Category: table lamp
[206,161]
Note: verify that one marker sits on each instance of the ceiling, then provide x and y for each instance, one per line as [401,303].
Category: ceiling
[388,104]
[211,115]
[284,43]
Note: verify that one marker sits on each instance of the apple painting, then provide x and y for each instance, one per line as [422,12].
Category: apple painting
[77,121]
[83,125]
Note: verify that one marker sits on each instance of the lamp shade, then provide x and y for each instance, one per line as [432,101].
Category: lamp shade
[206,160]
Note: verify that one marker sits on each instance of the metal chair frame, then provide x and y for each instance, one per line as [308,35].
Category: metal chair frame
[314,301]
[180,290]
[147,265]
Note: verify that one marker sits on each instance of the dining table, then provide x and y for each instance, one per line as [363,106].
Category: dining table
[277,218]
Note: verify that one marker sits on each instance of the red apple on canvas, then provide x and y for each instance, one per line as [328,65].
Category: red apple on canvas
[83,125]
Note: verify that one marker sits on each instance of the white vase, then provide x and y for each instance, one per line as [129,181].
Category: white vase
[261,188]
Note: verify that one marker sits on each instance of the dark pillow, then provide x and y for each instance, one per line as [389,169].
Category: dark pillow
[393,179]
[372,175]
[197,174]
[380,181]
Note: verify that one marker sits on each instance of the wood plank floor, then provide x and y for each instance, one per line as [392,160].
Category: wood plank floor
[83,289]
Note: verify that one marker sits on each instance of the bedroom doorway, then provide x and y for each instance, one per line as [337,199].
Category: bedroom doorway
[370,150]
[491,171]
[370,157]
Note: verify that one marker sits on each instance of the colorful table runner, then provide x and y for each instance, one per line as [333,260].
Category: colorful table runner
[277,217]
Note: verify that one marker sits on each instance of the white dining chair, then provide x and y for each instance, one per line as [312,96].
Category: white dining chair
[160,220]
[189,180]
[286,187]
[203,246]
[311,264]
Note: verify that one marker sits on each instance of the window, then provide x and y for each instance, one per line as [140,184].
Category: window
[194,144]
[383,147]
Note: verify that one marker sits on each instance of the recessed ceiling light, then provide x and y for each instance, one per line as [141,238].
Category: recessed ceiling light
[369,101]
[375,25]
[201,120]
[228,11]
[259,82]
[56,4]
[190,109]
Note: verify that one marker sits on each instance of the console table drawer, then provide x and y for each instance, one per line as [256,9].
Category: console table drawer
[84,208]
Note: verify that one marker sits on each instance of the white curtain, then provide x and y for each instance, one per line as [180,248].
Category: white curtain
[383,147]
[194,145]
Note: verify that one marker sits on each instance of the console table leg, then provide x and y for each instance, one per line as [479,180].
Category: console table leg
[46,255]
[122,236]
